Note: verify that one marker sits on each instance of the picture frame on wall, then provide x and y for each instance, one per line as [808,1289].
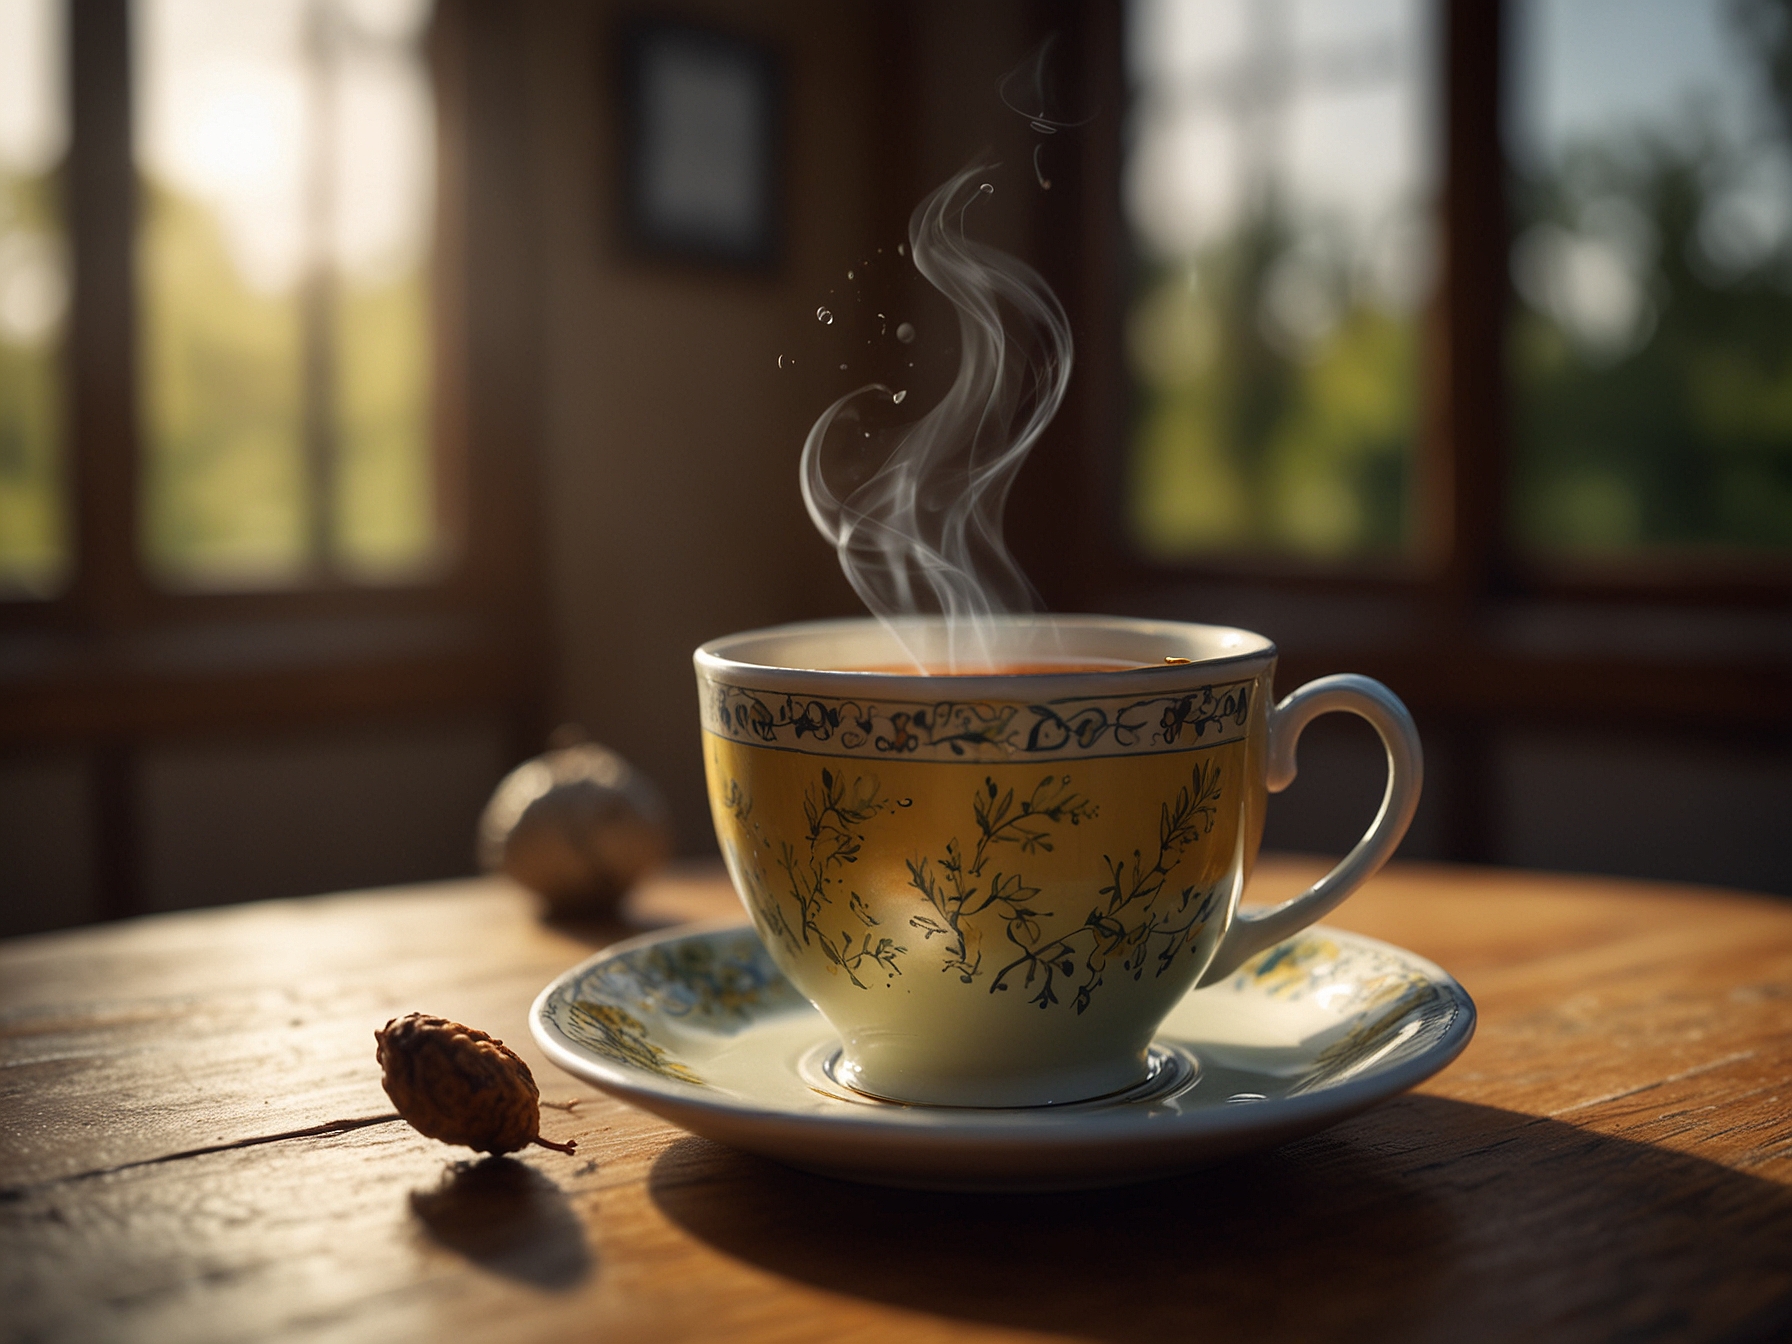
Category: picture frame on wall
[702,146]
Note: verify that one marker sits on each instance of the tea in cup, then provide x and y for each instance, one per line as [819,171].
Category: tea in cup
[996,884]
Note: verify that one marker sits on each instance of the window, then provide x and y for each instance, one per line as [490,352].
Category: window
[1279,187]
[249,491]
[1552,512]
[285,206]
[1651,347]
[285,155]
[33,300]
[1620,257]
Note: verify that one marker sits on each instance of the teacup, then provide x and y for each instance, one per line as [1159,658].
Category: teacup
[996,885]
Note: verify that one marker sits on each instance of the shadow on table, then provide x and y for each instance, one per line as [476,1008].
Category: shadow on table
[510,1219]
[683,892]
[596,931]
[633,919]
[1424,1217]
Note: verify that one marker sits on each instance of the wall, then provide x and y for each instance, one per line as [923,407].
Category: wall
[251,816]
[669,436]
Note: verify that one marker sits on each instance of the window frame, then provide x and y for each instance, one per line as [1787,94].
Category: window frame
[113,662]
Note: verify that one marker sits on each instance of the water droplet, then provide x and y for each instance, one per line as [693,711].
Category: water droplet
[823,316]
[843,368]
[906,332]
[1241,1097]
[849,275]
[897,397]
[786,361]
[986,188]
[902,249]
[905,802]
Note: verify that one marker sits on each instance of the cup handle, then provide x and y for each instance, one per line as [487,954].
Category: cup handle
[1366,697]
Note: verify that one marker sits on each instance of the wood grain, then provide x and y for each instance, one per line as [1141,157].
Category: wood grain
[1612,1156]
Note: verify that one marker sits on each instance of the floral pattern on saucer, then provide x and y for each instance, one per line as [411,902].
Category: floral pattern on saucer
[615,1034]
[1387,995]
[720,982]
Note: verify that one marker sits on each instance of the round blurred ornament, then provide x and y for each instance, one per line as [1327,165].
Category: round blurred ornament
[579,825]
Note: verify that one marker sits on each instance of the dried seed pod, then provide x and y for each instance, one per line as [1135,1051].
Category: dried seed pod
[460,1085]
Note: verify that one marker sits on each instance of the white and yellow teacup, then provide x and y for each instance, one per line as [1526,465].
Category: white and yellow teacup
[995,886]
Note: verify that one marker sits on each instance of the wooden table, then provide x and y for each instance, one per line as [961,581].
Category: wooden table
[1611,1158]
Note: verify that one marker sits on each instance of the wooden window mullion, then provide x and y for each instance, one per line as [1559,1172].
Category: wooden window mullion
[101,204]
[1464,474]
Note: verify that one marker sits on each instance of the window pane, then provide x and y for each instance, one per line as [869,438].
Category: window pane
[33,295]
[1279,183]
[385,157]
[1651,347]
[287,153]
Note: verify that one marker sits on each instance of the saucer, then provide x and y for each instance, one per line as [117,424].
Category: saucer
[699,1027]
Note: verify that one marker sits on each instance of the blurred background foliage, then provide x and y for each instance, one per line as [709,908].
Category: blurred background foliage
[1274,405]
[1651,347]
[227,499]
[1280,187]
[225,487]
[33,529]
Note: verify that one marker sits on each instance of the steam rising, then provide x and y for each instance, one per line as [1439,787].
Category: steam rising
[921,530]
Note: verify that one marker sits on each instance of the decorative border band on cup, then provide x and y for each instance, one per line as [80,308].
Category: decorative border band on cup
[980,730]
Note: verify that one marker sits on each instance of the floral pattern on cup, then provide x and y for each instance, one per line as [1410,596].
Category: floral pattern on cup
[970,891]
